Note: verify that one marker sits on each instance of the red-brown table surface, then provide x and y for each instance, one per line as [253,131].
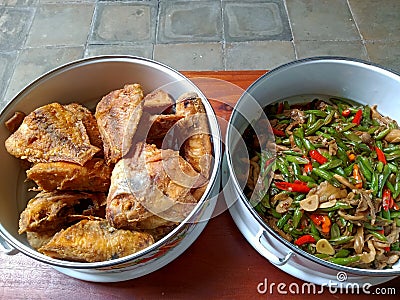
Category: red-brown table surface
[219,264]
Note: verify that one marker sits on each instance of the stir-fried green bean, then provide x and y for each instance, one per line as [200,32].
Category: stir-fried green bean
[336,181]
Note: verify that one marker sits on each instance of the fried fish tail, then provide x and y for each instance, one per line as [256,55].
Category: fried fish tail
[93,241]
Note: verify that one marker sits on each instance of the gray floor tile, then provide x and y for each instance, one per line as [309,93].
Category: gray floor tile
[125,22]
[377,20]
[14,26]
[246,21]
[7,61]
[34,62]
[258,55]
[321,20]
[136,50]
[18,2]
[331,48]
[199,21]
[200,56]
[386,54]
[61,24]
[65,1]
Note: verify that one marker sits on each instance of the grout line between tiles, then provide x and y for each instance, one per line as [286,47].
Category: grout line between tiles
[358,30]
[157,28]
[291,29]
[91,28]
[223,40]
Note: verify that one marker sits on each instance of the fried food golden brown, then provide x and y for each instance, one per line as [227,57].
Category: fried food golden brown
[51,133]
[197,146]
[94,176]
[92,241]
[39,239]
[161,124]
[118,115]
[100,177]
[158,102]
[89,121]
[49,211]
[15,121]
[151,188]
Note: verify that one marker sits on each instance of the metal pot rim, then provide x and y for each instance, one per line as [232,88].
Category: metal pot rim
[243,198]
[188,220]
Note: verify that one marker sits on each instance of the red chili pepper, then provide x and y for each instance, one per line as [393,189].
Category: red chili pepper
[308,168]
[304,239]
[280,108]
[278,132]
[387,249]
[314,154]
[357,176]
[381,156]
[357,117]
[395,205]
[297,186]
[323,221]
[386,198]
[346,113]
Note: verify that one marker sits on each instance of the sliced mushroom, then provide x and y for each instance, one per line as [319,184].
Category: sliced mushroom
[393,136]
[392,259]
[365,137]
[310,203]
[323,246]
[343,180]
[283,206]
[368,257]
[359,240]
[279,197]
[328,204]
[350,217]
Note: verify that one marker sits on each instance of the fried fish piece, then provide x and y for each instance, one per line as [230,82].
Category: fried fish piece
[161,124]
[39,239]
[197,147]
[118,115]
[89,121]
[15,121]
[49,211]
[157,102]
[94,176]
[51,133]
[151,187]
[93,241]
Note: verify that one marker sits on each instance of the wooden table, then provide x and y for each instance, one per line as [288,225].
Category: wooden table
[220,263]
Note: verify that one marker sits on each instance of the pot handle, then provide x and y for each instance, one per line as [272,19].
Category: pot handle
[6,248]
[262,249]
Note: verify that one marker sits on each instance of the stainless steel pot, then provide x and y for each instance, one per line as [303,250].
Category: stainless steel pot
[86,81]
[341,77]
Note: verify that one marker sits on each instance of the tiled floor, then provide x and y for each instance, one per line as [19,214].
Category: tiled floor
[38,35]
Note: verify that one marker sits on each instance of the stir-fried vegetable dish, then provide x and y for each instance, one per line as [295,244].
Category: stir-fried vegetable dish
[335,191]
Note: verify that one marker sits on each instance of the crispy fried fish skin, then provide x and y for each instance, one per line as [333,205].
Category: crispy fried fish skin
[197,147]
[15,121]
[49,211]
[157,102]
[92,241]
[118,114]
[161,124]
[89,121]
[51,133]
[151,188]
[94,176]
[39,239]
